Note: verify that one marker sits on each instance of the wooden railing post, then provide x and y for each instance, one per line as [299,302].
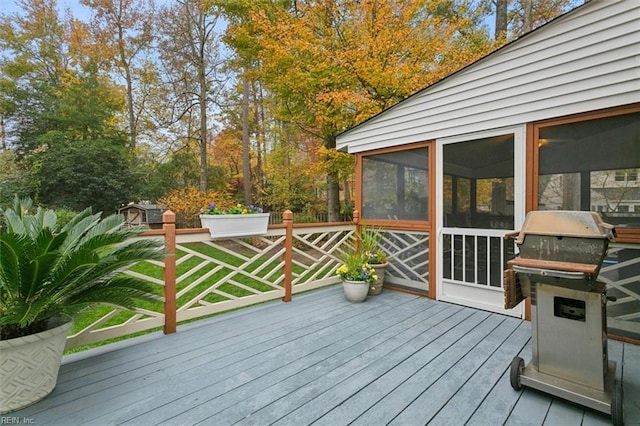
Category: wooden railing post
[356,221]
[287,220]
[169,227]
[356,217]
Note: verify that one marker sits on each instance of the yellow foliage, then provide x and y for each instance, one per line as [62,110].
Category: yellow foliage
[338,63]
[189,200]
[336,162]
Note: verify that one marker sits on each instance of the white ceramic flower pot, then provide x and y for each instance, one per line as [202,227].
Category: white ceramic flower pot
[235,225]
[29,367]
[355,291]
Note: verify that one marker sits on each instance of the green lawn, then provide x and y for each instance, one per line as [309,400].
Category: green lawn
[222,257]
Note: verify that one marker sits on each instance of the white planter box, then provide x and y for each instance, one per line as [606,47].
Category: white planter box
[235,225]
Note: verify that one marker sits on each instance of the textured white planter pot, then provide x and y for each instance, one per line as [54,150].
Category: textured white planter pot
[376,288]
[29,367]
[235,225]
[355,291]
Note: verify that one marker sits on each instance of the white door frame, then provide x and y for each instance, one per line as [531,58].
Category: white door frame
[472,295]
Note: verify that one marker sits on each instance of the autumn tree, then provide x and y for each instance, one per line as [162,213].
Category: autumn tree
[64,114]
[226,153]
[122,33]
[501,18]
[332,64]
[34,62]
[516,17]
[189,47]
[246,143]
[249,101]
[293,176]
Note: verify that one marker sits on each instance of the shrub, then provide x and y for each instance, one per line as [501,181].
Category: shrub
[186,203]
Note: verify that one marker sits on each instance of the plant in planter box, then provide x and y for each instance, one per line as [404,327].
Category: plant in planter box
[214,209]
[234,221]
[370,239]
[49,275]
[357,275]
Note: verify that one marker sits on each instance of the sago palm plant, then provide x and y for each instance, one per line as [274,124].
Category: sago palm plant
[48,273]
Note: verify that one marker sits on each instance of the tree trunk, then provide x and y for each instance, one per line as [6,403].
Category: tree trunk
[246,159]
[126,66]
[333,198]
[260,135]
[527,23]
[203,147]
[133,134]
[501,18]
[333,189]
[347,191]
[3,134]
[202,83]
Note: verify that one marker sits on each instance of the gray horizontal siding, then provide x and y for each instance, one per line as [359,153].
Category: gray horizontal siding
[587,60]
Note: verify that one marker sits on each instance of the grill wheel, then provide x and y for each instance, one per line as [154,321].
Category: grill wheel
[517,367]
[617,412]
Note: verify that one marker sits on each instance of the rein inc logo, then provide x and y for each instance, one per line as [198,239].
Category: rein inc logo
[15,420]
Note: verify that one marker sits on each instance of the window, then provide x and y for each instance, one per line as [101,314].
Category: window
[592,165]
[626,175]
[395,185]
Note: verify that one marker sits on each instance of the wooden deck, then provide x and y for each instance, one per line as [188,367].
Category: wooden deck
[395,359]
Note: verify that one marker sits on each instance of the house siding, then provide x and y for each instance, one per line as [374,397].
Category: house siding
[586,60]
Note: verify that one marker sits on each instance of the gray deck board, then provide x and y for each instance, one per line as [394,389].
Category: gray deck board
[196,372]
[395,359]
[563,413]
[254,374]
[465,402]
[356,366]
[448,400]
[421,371]
[315,366]
[383,369]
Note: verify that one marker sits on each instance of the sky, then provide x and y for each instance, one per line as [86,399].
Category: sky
[83,13]
[10,6]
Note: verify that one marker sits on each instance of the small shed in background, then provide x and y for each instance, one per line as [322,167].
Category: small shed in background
[143,214]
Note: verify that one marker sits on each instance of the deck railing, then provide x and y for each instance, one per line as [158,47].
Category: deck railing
[201,277]
[621,273]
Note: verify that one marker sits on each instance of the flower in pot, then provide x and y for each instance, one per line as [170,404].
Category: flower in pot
[370,240]
[234,221]
[357,275]
[50,274]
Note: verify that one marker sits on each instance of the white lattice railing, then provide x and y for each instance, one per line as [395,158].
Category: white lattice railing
[621,273]
[229,274]
[409,262]
[216,276]
[219,275]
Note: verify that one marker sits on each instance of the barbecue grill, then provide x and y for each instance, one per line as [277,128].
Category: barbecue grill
[561,253]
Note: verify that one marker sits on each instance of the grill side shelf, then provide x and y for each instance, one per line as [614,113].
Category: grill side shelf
[584,268]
